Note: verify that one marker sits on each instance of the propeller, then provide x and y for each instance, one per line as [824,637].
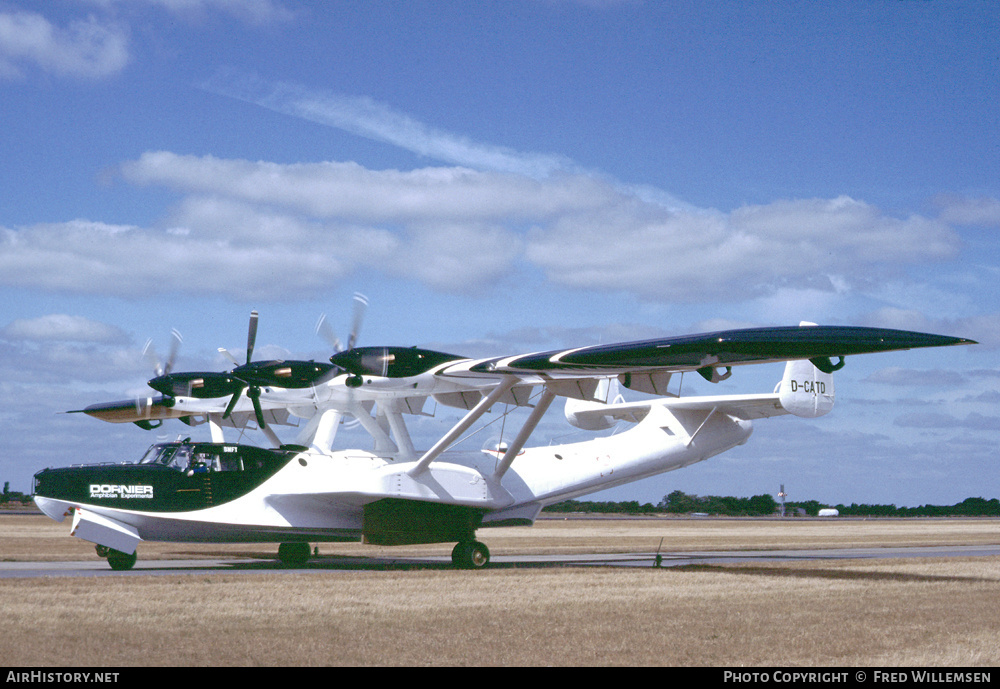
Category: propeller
[325,330]
[252,390]
[163,368]
[246,376]
[251,340]
[160,368]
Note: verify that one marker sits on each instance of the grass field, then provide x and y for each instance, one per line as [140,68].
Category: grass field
[926,612]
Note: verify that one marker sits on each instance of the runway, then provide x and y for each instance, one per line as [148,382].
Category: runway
[98,567]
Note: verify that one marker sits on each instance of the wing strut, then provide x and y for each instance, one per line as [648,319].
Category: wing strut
[704,421]
[451,436]
[526,430]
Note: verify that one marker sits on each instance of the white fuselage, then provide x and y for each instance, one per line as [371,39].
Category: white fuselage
[320,496]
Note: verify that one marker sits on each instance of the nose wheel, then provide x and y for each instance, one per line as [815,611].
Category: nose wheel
[470,555]
[118,560]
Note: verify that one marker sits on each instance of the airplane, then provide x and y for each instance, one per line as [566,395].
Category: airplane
[393,493]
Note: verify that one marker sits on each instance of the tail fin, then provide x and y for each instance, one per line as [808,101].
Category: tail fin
[805,391]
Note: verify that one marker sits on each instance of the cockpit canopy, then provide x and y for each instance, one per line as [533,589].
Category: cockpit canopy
[206,457]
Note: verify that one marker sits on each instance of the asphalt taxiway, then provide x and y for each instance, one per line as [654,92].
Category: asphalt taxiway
[99,567]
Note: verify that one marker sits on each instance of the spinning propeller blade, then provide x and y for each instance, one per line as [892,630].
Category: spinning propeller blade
[325,330]
[360,306]
[163,368]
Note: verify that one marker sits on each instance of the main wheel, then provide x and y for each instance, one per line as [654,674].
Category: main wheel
[293,554]
[120,561]
[470,555]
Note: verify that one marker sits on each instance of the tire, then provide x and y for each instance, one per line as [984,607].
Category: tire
[470,555]
[293,554]
[120,561]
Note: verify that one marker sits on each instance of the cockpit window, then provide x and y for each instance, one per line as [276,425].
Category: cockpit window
[194,458]
[172,456]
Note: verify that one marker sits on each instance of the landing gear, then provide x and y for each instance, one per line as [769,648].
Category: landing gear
[120,561]
[470,555]
[293,554]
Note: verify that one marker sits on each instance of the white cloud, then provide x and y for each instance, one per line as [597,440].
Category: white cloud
[253,11]
[98,46]
[897,376]
[84,258]
[63,327]
[250,11]
[983,328]
[84,48]
[351,191]
[937,420]
[983,211]
[272,230]
[753,251]
[548,214]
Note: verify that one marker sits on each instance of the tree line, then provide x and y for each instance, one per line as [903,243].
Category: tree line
[12,495]
[679,502]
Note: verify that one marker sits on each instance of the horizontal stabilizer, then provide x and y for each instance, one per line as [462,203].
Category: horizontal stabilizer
[594,416]
[804,391]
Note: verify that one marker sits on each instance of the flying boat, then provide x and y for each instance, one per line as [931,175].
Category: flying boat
[393,492]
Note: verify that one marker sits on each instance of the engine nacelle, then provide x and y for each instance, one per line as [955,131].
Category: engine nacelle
[605,390]
[588,422]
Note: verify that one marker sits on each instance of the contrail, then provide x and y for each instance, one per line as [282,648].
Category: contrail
[370,119]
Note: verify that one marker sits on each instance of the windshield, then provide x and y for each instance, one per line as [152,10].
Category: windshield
[174,456]
[194,458]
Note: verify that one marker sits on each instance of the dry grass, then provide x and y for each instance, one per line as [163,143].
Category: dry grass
[839,613]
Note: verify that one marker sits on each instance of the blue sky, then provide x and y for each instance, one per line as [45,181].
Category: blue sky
[501,177]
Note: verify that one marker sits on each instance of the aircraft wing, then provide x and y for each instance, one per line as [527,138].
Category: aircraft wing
[392,375]
[726,348]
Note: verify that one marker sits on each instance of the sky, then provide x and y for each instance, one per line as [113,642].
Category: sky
[505,177]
